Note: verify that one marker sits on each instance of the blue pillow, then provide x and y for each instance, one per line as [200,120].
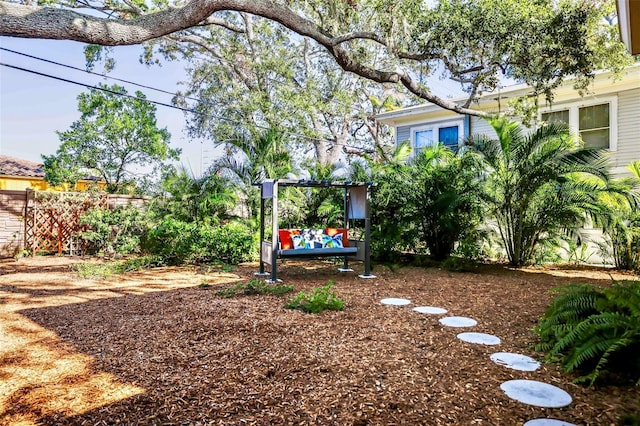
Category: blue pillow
[332,242]
[299,242]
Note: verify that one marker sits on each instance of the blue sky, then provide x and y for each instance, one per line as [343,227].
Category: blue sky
[33,107]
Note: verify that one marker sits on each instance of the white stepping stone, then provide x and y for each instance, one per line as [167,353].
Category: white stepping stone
[515,361]
[458,322]
[432,310]
[396,302]
[547,422]
[479,338]
[536,393]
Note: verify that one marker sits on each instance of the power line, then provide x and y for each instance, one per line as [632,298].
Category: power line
[49,61]
[190,110]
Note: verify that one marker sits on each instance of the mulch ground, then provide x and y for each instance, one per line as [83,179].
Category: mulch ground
[155,347]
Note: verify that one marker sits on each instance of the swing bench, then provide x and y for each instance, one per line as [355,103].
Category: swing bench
[316,243]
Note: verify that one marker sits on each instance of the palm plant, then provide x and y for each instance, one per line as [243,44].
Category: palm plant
[446,197]
[536,184]
[207,199]
[393,230]
[253,159]
[622,225]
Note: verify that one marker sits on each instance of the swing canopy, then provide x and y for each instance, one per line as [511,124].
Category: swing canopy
[316,243]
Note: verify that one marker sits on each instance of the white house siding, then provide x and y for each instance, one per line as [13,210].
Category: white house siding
[480,126]
[403,133]
[628,130]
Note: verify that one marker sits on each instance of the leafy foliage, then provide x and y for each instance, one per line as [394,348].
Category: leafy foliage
[105,270]
[594,330]
[539,185]
[321,299]
[116,230]
[114,134]
[622,225]
[178,242]
[207,199]
[254,287]
[253,159]
[445,197]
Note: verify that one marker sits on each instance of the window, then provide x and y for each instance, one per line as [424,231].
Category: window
[594,126]
[595,122]
[556,117]
[448,133]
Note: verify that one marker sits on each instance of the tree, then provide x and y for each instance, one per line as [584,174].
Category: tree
[261,76]
[539,185]
[205,200]
[115,132]
[473,41]
[252,159]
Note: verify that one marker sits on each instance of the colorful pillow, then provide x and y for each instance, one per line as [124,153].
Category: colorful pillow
[299,242]
[332,232]
[284,235]
[332,242]
[313,237]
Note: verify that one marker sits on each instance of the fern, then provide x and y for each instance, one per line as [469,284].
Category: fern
[586,327]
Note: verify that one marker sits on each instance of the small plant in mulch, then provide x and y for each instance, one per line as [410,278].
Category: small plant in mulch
[321,299]
[253,287]
[105,270]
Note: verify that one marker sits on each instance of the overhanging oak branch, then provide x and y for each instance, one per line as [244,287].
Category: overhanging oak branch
[24,21]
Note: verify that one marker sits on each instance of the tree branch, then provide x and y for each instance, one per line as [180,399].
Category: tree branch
[24,21]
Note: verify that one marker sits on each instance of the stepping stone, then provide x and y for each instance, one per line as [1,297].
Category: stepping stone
[432,310]
[515,361]
[547,422]
[458,322]
[479,338]
[536,393]
[395,302]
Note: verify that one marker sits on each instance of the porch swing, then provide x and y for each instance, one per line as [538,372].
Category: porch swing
[306,243]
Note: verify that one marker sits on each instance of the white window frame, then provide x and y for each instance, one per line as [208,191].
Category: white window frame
[435,128]
[574,115]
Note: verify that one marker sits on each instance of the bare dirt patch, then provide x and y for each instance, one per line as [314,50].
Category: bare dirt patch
[154,347]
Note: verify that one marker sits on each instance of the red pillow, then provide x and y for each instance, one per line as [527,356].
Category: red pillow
[335,231]
[284,235]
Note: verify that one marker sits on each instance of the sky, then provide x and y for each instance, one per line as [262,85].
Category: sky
[34,107]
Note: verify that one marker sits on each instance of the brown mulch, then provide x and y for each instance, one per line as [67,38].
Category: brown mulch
[155,347]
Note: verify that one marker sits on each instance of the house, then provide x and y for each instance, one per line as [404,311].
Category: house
[17,174]
[608,116]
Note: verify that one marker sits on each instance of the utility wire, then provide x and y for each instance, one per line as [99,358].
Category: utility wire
[190,110]
[95,73]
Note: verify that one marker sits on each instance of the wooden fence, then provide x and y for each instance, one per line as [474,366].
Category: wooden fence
[47,221]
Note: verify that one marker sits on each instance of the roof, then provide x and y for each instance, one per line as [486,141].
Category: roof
[602,84]
[11,166]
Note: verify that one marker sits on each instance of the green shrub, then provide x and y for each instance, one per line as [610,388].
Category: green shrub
[254,287]
[114,231]
[320,300]
[231,243]
[459,264]
[178,242]
[172,240]
[595,331]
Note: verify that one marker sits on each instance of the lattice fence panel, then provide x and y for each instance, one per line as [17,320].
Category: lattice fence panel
[53,220]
